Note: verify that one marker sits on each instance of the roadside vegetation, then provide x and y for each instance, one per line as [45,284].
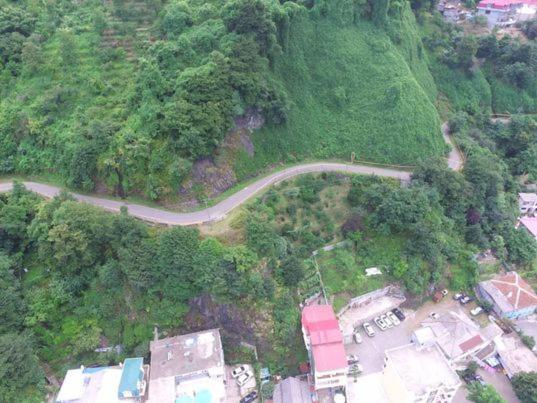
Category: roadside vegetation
[125,96]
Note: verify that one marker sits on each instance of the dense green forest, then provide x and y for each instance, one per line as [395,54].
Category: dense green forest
[126,95]
[75,278]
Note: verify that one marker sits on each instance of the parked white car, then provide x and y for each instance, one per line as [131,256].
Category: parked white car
[387,321]
[434,315]
[368,329]
[357,338]
[393,318]
[476,311]
[244,378]
[380,323]
[238,371]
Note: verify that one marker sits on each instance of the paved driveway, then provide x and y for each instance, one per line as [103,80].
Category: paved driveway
[499,381]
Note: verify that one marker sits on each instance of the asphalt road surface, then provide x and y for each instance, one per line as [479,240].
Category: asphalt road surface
[219,211]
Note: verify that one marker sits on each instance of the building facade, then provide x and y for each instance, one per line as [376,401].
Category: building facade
[124,383]
[511,297]
[527,202]
[506,12]
[324,343]
[414,374]
[188,367]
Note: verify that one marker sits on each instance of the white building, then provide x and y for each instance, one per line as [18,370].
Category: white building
[527,203]
[188,367]
[454,332]
[118,384]
[514,356]
[506,12]
[414,374]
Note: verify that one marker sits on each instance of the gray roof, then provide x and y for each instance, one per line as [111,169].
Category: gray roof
[186,354]
[528,197]
[292,390]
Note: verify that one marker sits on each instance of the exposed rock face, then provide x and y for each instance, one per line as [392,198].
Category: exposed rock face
[206,314]
[215,174]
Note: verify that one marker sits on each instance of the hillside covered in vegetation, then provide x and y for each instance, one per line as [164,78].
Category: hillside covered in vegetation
[125,96]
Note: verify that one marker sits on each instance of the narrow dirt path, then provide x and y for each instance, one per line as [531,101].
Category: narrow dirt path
[219,210]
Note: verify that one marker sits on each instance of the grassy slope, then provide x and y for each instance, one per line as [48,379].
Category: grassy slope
[337,78]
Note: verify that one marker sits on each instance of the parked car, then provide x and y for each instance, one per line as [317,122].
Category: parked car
[466,300]
[445,292]
[238,371]
[357,338]
[400,315]
[387,321]
[458,296]
[368,329]
[476,311]
[352,359]
[393,318]
[434,315]
[380,323]
[244,378]
[473,378]
[249,398]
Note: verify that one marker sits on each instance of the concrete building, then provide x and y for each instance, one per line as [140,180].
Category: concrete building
[123,383]
[455,334]
[527,202]
[514,356]
[511,297]
[188,368]
[415,374]
[324,343]
[506,12]
[530,225]
[292,390]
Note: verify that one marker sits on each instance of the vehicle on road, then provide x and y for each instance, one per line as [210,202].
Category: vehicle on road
[387,321]
[357,338]
[244,378]
[458,296]
[476,311]
[400,315]
[393,318]
[434,315]
[368,329]
[445,292]
[466,300]
[249,398]
[238,371]
[469,378]
[380,323]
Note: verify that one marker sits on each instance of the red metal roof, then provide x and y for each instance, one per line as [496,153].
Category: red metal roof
[515,290]
[504,4]
[471,343]
[322,327]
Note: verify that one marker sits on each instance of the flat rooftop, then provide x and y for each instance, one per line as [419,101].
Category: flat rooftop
[186,354]
[422,369]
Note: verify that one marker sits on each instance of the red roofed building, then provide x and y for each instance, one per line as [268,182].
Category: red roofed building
[324,343]
[504,12]
[510,295]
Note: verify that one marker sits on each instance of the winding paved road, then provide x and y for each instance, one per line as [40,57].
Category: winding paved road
[219,211]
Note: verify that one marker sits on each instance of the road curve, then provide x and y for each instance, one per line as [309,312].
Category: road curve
[219,210]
